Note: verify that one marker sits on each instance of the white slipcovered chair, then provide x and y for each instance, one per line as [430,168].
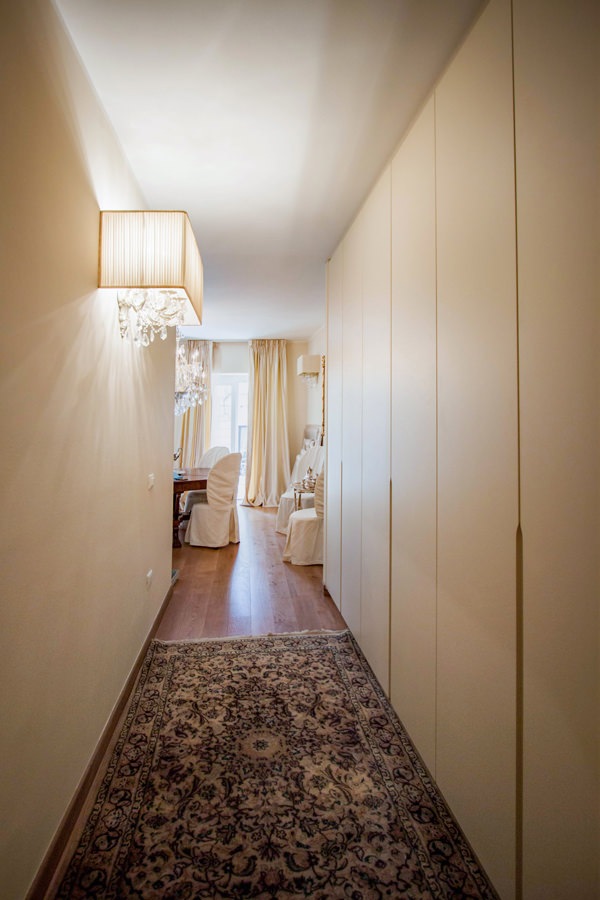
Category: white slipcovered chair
[311,458]
[207,461]
[304,544]
[211,456]
[312,435]
[215,523]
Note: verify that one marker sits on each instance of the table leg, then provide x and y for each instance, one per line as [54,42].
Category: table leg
[176,541]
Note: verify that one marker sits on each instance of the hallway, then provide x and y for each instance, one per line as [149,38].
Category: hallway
[245,588]
[459,318]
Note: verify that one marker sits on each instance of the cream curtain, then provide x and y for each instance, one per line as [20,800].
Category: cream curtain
[194,430]
[268,461]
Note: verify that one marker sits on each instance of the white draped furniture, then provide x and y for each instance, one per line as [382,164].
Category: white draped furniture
[215,523]
[304,544]
[211,456]
[207,461]
[313,457]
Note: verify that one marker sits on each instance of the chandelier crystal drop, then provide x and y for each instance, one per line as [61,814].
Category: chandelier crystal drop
[190,378]
[143,314]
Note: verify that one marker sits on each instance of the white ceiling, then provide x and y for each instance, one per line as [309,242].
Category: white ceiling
[268,121]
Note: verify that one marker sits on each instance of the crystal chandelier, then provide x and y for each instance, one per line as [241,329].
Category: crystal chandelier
[146,313]
[190,377]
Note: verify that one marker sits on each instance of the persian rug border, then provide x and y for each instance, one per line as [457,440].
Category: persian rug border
[307,632]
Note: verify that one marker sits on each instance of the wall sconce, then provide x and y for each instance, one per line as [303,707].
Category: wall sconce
[154,255]
[308,368]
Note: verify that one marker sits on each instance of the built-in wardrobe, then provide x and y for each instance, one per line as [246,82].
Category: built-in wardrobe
[462,522]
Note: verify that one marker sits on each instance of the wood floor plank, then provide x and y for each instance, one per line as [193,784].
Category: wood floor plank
[245,588]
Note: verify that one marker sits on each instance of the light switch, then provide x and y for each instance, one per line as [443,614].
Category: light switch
[150,481]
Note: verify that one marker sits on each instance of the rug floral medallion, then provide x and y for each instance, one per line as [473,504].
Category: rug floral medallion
[267,767]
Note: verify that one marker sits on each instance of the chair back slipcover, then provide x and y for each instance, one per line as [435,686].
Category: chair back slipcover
[221,487]
[215,523]
[312,435]
[313,458]
[299,466]
[207,461]
[211,456]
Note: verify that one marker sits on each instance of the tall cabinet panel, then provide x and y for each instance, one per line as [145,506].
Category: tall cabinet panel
[557,54]
[478,443]
[333,428]
[375,592]
[413,457]
[352,390]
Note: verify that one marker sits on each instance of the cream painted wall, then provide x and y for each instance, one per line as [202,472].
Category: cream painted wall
[86,418]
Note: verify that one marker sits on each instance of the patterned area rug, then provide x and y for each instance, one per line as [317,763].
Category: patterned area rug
[268,767]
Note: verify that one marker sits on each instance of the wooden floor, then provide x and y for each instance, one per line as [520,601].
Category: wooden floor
[245,588]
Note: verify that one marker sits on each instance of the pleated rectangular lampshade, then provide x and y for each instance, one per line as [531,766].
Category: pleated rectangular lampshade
[309,364]
[150,249]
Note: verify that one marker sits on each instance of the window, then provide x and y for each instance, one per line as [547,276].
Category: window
[229,423]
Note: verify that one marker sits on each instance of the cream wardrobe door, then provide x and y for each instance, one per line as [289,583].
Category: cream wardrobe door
[352,387]
[333,430]
[413,439]
[477,443]
[375,591]
[557,64]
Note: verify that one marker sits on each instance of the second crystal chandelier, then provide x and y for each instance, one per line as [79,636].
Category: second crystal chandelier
[190,377]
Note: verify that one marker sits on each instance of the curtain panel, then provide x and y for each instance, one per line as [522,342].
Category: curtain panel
[194,431]
[268,460]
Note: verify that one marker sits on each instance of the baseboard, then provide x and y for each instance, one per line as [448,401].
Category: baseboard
[43,879]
